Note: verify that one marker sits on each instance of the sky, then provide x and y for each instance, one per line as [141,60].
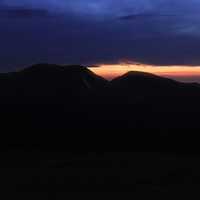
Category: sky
[93,32]
[180,73]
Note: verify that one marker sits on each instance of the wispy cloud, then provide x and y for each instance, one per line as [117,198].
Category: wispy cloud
[144,16]
[15,12]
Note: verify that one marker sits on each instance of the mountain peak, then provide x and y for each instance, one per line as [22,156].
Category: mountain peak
[132,74]
[138,76]
[51,78]
[51,68]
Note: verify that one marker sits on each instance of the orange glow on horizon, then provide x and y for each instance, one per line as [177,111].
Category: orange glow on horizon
[181,73]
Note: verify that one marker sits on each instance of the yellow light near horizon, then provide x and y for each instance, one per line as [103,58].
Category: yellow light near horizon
[109,71]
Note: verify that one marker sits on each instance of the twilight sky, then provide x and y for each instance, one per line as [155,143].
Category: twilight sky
[155,32]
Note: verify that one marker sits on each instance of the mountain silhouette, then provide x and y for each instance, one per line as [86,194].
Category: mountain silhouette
[136,85]
[69,99]
[51,115]
[51,81]
[143,80]
[148,83]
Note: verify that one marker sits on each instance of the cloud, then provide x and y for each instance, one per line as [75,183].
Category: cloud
[107,31]
[16,12]
[144,16]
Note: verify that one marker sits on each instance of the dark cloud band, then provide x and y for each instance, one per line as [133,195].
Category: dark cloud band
[106,31]
[23,13]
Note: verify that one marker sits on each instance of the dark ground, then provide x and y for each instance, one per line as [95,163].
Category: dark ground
[52,116]
[39,175]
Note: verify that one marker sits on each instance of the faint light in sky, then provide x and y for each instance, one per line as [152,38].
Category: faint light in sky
[181,73]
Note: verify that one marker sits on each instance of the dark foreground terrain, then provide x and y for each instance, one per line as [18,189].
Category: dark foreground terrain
[40,175]
[75,105]
[52,115]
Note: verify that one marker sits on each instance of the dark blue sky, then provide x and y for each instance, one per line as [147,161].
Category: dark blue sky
[91,31]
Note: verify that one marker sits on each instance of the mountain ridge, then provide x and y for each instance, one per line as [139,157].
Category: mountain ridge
[53,68]
[75,98]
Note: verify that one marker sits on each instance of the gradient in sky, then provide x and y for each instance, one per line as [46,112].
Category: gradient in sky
[179,73]
[155,32]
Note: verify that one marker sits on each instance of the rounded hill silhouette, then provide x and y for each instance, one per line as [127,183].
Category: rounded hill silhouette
[71,99]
